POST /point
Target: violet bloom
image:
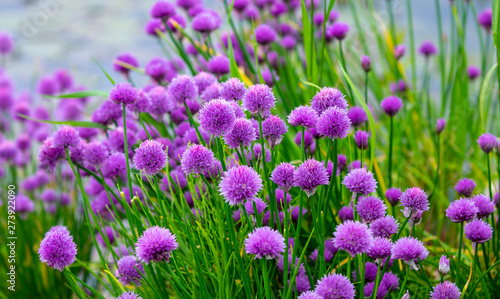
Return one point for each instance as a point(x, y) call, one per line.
point(335, 286)
point(217, 117)
point(440, 124)
point(260, 99)
point(303, 116)
point(150, 157)
point(182, 88)
point(409, 250)
point(388, 283)
point(353, 237)
point(158, 69)
point(487, 142)
point(197, 159)
point(391, 105)
point(309, 175)
point(380, 249)
point(473, 72)
point(370, 208)
point(206, 22)
point(461, 210)
point(273, 129)
point(393, 194)
point(427, 49)
point(444, 265)
point(219, 65)
point(48, 155)
point(360, 181)
point(309, 295)
point(357, 116)
point(66, 137)
point(399, 51)
point(484, 205)
point(288, 42)
point(414, 200)
point(126, 271)
point(239, 184)
point(341, 162)
point(204, 80)
point(242, 134)
point(485, 19)
point(447, 290)
point(366, 63)
point(123, 93)
point(232, 90)
point(265, 34)
point(465, 187)
point(114, 166)
point(328, 97)
point(129, 295)
point(6, 43)
point(361, 139)
point(384, 227)
point(141, 104)
point(478, 231)
point(339, 30)
point(282, 176)
point(260, 206)
point(48, 85)
point(265, 242)
point(57, 249)
point(125, 58)
point(8, 150)
point(346, 213)
point(162, 10)
point(107, 113)
point(23, 205)
point(155, 244)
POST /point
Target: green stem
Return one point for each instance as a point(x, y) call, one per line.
point(441, 51)
point(393, 25)
point(302, 146)
point(391, 140)
point(349, 267)
point(412, 43)
point(489, 174)
point(191, 121)
point(342, 59)
point(266, 278)
point(404, 283)
point(457, 275)
point(129, 177)
point(377, 281)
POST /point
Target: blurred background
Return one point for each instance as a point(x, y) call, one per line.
point(51, 34)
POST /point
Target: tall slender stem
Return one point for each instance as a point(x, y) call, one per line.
point(457, 275)
point(404, 283)
point(412, 43)
point(391, 134)
point(342, 59)
point(489, 174)
point(125, 143)
point(393, 23)
point(377, 280)
point(266, 278)
point(302, 145)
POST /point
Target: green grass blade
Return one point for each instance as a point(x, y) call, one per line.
point(81, 124)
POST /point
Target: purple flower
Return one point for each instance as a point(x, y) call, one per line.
point(265, 242)
point(485, 19)
point(391, 105)
point(384, 227)
point(461, 210)
point(303, 116)
point(6, 99)
point(309, 295)
point(309, 175)
point(444, 265)
point(440, 124)
point(204, 80)
point(360, 181)
point(346, 213)
point(361, 139)
point(240, 183)
point(8, 150)
point(366, 63)
point(48, 155)
point(232, 90)
point(465, 187)
point(388, 283)
point(260, 99)
point(334, 123)
point(64, 78)
point(162, 10)
point(370, 208)
point(484, 205)
point(156, 244)
point(48, 85)
point(128, 295)
point(380, 249)
point(335, 286)
point(114, 166)
point(49, 195)
point(141, 104)
point(393, 194)
point(357, 116)
point(206, 22)
point(107, 113)
point(219, 65)
point(282, 176)
point(150, 157)
point(487, 142)
point(399, 51)
point(273, 129)
point(265, 34)
point(197, 159)
point(65, 137)
point(182, 88)
point(445, 290)
point(339, 30)
point(123, 93)
point(125, 58)
point(217, 117)
point(57, 249)
point(353, 237)
point(328, 97)
point(473, 72)
point(242, 134)
point(427, 49)
point(126, 271)
point(259, 204)
point(409, 250)
point(6, 43)
point(413, 200)
point(288, 42)
point(158, 69)
point(255, 153)
point(23, 205)
point(211, 92)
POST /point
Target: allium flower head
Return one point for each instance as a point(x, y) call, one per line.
point(197, 159)
point(240, 183)
point(384, 227)
point(334, 123)
point(328, 97)
point(273, 129)
point(465, 187)
point(219, 65)
point(366, 63)
point(162, 10)
point(156, 244)
point(461, 210)
point(309, 295)
point(478, 231)
point(370, 208)
point(265, 34)
point(357, 115)
point(8, 150)
point(129, 295)
point(409, 250)
point(242, 134)
point(49, 155)
point(217, 117)
point(204, 80)
point(260, 99)
point(487, 142)
point(126, 271)
point(361, 181)
point(303, 116)
point(484, 205)
point(182, 88)
point(445, 290)
point(123, 93)
point(380, 249)
point(353, 237)
point(335, 286)
point(282, 176)
point(107, 113)
point(48, 85)
point(65, 137)
point(150, 157)
point(259, 204)
point(440, 124)
point(391, 105)
point(206, 22)
point(49, 195)
point(57, 249)
point(388, 283)
point(6, 43)
point(473, 72)
point(444, 265)
point(361, 139)
point(414, 199)
point(485, 19)
point(427, 49)
point(393, 194)
point(309, 175)
point(265, 242)
point(159, 70)
point(233, 90)
point(346, 213)
point(399, 51)
point(125, 58)
point(114, 166)
point(339, 30)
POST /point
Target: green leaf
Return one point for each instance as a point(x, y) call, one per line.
point(107, 75)
point(81, 124)
point(483, 94)
point(310, 84)
point(81, 94)
point(147, 118)
point(232, 61)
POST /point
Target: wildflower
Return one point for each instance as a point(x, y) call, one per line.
point(110, 234)
point(125, 58)
point(141, 104)
point(158, 69)
point(206, 22)
point(162, 10)
point(155, 244)
point(353, 237)
point(446, 290)
point(303, 116)
point(484, 205)
point(478, 231)
point(310, 295)
point(346, 213)
point(129, 295)
point(384, 227)
point(48, 155)
point(328, 97)
point(150, 157)
point(48, 85)
point(204, 80)
point(366, 63)
point(414, 200)
point(182, 88)
point(260, 206)
point(309, 175)
point(473, 72)
point(273, 129)
point(409, 250)
point(357, 116)
point(107, 113)
point(239, 184)
point(444, 265)
point(57, 249)
point(6, 43)
point(127, 272)
point(361, 139)
point(242, 134)
point(388, 283)
point(265, 35)
point(65, 137)
point(427, 49)
point(49, 195)
point(233, 90)
point(440, 124)
point(487, 142)
point(380, 249)
point(197, 159)
point(219, 65)
point(23, 205)
point(391, 105)
point(341, 162)
point(370, 208)
point(260, 99)
point(265, 242)
point(360, 181)
point(334, 123)
point(282, 176)
point(393, 194)
point(399, 51)
point(217, 117)
point(114, 166)
point(335, 286)
point(340, 30)
point(485, 19)
point(211, 92)
point(123, 93)
point(465, 187)
point(461, 210)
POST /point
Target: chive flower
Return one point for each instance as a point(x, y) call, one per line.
point(155, 245)
point(309, 175)
point(409, 250)
point(461, 210)
point(465, 187)
point(328, 97)
point(150, 157)
point(197, 159)
point(335, 286)
point(240, 183)
point(353, 237)
point(265, 242)
point(57, 249)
